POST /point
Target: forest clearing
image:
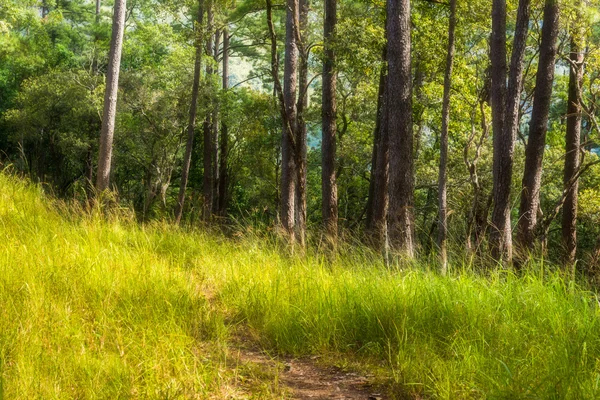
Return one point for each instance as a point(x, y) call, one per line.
point(299, 199)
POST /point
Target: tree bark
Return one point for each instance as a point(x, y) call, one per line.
point(89, 163)
point(442, 177)
point(534, 152)
point(110, 97)
point(329, 208)
point(378, 186)
point(505, 122)
point(288, 145)
point(477, 218)
point(224, 139)
point(215, 129)
point(301, 132)
point(399, 116)
point(207, 181)
point(191, 128)
point(573, 143)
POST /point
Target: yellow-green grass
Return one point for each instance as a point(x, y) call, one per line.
point(103, 308)
point(97, 309)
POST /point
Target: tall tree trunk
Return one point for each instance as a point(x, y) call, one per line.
point(110, 96)
point(573, 141)
point(288, 142)
point(477, 218)
point(442, 178)
point(215, 129)
point(207, 181)
point(505, 129)
point(301, 132)
point(329, 208)
point(399, 115)
point(378, 186)
point(538, 125)
point(89, 163)
point(191, 128)
point(498, 103)
point(224, 139)
point(376, 132)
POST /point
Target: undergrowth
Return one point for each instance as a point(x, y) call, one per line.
point(92, 307)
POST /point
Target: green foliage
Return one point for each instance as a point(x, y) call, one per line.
point(52, 78)
point(102, 308)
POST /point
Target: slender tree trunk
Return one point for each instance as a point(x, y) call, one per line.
point(498, 98)
point(191, 128)
point(329, 115)
point(215, 130)
point(505, 131)
point(89, 163)
point(399, 116)
point(376, 133)
point(301, 132)
point(207, 181)
point(573, 143)
point(224, 139)
point(288, 143)
point(110, 97)
point(477, 219)
point(538, 125)
point(443, 179)
point(378, 186)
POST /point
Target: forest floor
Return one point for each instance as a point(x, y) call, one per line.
point(303, 378)
point(307, 377)
point(95, 305)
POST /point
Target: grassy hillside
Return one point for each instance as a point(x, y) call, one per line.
point(91, 308)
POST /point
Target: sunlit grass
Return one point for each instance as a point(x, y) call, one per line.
point(91, 308)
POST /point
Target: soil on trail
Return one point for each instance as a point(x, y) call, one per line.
point(303, 378)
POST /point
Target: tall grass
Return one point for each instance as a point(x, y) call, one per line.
point(89, 309)
point(457, 337)
point(96, 309)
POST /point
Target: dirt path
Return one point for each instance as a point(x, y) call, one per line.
point(303, 378)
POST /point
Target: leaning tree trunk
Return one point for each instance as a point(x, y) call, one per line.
point(505, 131)
point(329, 115)
point(191, 128)
point(573, 143)
point(207, 180)
point(442, 177)
point(224, 139)
point(110, 97)
point(399, 106)
point(538, 125)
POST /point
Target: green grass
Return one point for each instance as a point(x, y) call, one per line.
point(96, 308)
